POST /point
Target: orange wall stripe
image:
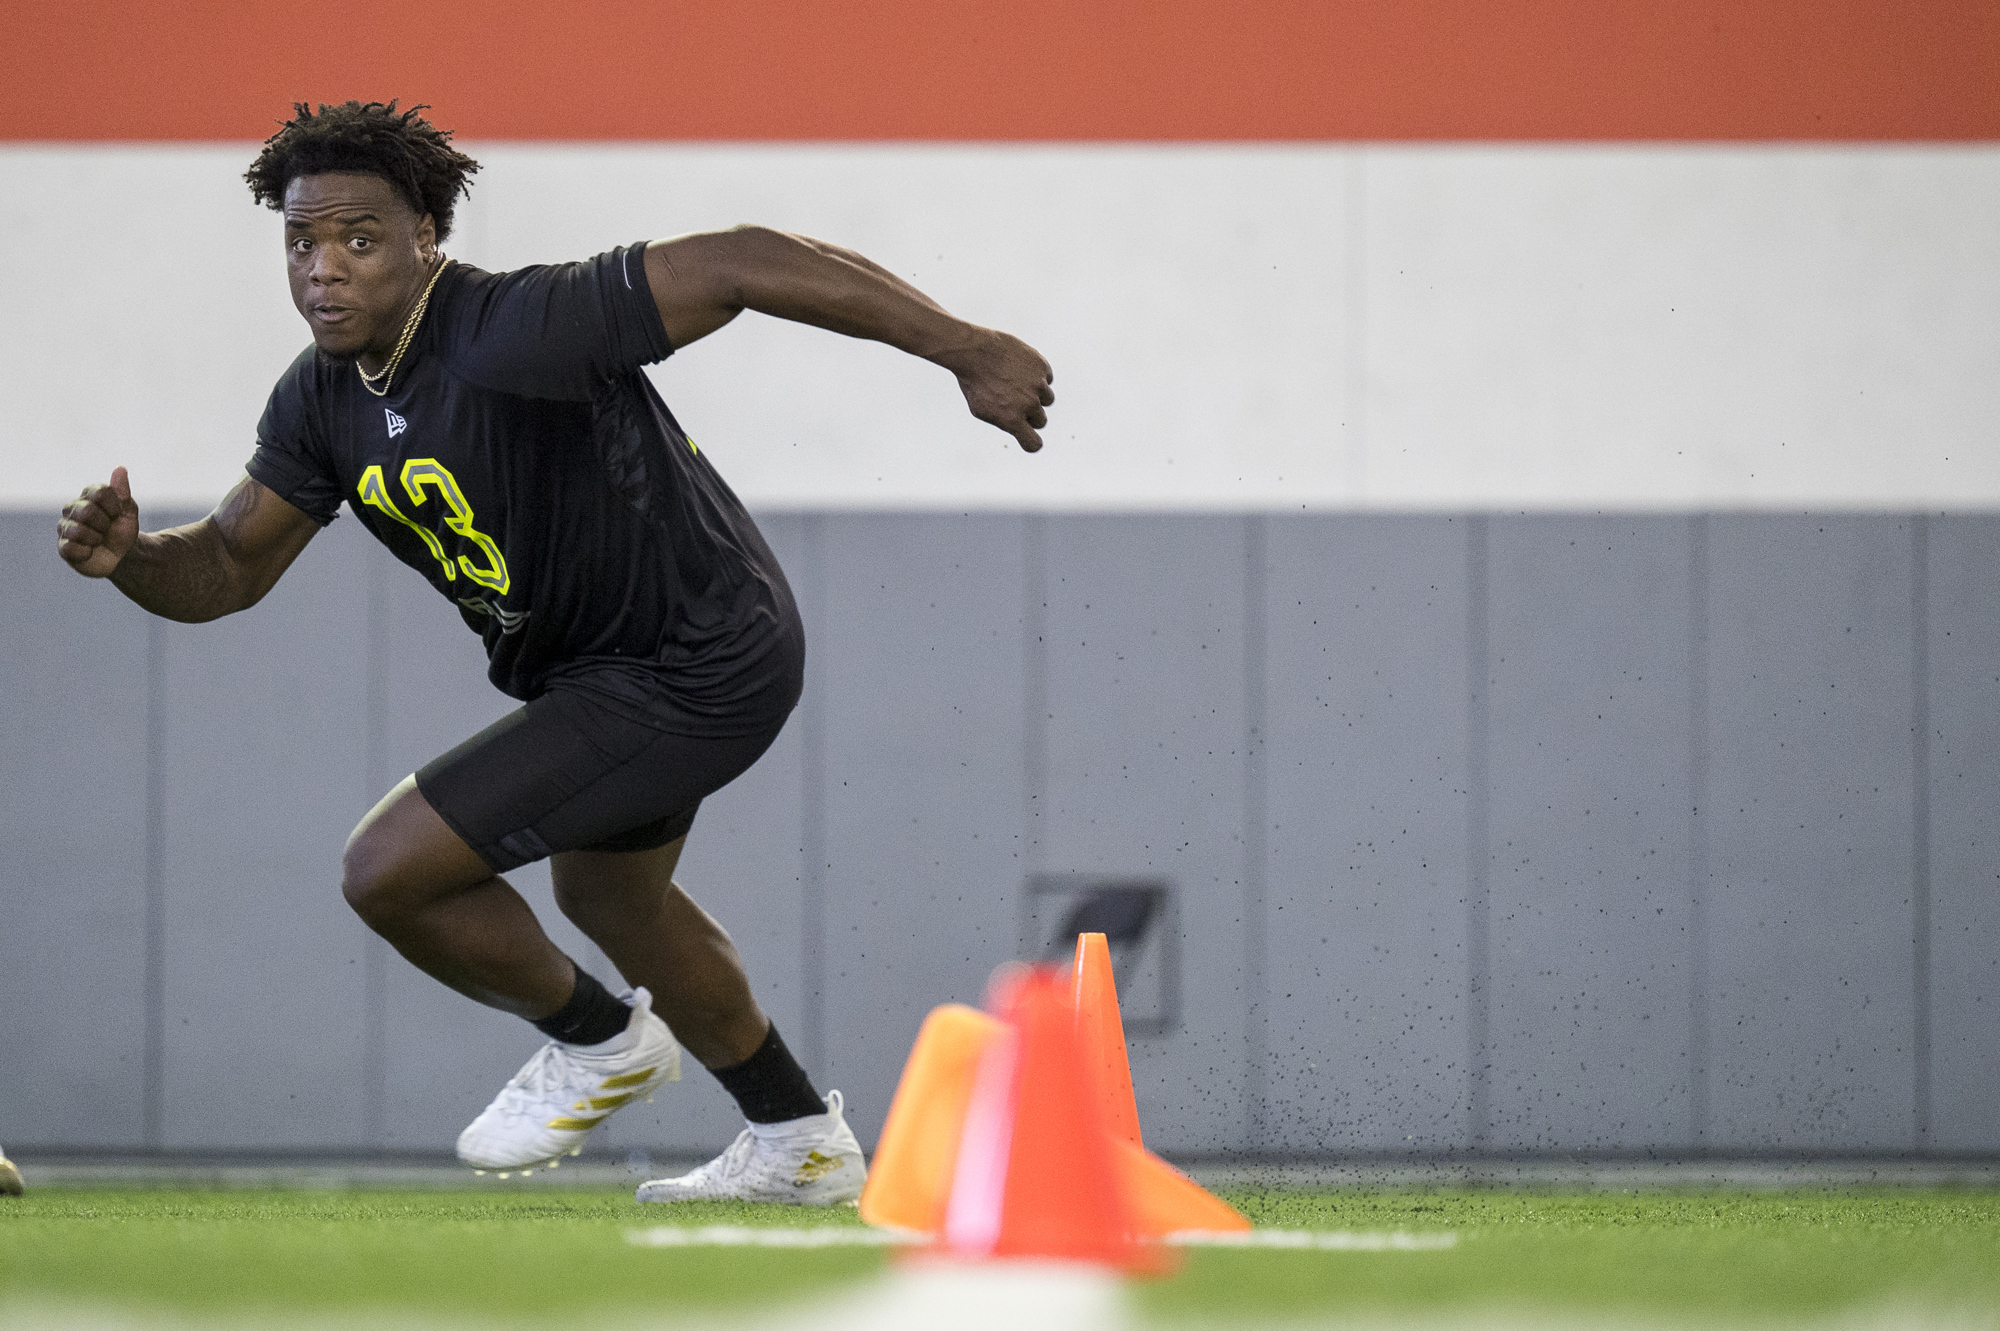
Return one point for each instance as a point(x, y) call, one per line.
point(1020, 69)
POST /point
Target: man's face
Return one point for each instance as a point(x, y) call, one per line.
point(357, 256)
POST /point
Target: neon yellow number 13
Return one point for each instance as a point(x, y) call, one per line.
point(418, 473)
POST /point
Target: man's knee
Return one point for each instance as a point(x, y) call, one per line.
point(368, 875)
point(403, 856)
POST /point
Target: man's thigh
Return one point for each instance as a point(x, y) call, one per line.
point(566, 774)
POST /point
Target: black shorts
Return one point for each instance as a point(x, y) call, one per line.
point(567, 773)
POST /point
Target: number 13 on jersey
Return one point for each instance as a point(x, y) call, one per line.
point(421, 472)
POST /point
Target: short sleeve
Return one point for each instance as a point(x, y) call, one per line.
point(290, 460)
point(558, 331)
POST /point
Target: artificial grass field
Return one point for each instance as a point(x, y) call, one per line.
point(525, 1257)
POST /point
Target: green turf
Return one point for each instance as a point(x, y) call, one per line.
point(518, 1256)
point(1673, 1256)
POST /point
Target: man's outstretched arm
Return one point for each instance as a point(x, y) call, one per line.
point(701, 282)
point(205, 570)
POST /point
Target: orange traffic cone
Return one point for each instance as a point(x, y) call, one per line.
point(910, 1175)
point(1035, 1175)
point(933, 1129)
point(1160, 1199)
point(1103, 1031)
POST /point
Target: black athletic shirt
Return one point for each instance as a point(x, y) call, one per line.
point(524, 464)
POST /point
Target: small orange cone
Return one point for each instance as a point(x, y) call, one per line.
point(1103, 1031)
point(1160, 1200)
point(1035, 1175)
point(910, 1175)
point(945, 1162)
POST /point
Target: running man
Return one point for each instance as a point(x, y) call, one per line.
point(496, 432)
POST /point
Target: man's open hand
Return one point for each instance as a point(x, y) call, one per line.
point(1006, 383)
point(98, 527)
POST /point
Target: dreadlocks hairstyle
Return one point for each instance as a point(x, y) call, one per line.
point(403, 148)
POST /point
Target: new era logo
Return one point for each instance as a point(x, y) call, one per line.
point(396, 423)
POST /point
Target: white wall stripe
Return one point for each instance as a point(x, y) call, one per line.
point(1506, 327)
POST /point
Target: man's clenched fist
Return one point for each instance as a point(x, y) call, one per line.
point(98, 527)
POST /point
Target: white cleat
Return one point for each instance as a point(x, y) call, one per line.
point(811, 1161)
point(564, 1091)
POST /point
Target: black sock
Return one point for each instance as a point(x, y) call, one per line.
point(770, 1086)
point(591, 1016)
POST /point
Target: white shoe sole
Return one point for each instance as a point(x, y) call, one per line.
point(531, 1166)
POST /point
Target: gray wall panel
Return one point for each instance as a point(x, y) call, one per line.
point(1145, 763)
point(73, 656)
point(920, 659)
point(1964, 641)
point(265, 766)
point(1589, 830)
point(929, 796)
point(1810, 846)
point(1365, 894)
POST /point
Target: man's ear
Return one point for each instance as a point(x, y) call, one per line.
point(427, 238)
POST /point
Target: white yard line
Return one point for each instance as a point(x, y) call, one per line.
point(842, 1236)
point(758, 1236)
point(1318, 1240)
point(1016, 1295)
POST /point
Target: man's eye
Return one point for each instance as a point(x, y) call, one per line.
point(301, 245)
point(359, 242)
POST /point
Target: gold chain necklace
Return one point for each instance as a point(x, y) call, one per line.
point(384, 375)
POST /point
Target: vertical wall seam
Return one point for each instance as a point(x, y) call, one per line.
point(374, 949)
point(1034, 694)
point(1697, 943)
point(1477, 900)
point(1356, 350)
point(1920, 831)
point(1257, 1052)
point(812, 810)
point(153, 1096)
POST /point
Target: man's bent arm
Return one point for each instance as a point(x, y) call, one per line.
point(198, 572)
point(701, 282)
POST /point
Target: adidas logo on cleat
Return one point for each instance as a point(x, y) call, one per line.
point(603, 1101)
point(603, 1104)
point(815, 1168)
point(630, 1079)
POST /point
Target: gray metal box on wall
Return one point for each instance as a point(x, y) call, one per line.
point(1140, 925)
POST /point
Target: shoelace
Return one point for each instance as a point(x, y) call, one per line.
point(732, 1162)
point(546, 1071)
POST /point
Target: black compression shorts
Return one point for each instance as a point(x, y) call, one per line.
point(566, 773)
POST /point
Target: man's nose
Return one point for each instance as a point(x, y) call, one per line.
point(327, 266)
